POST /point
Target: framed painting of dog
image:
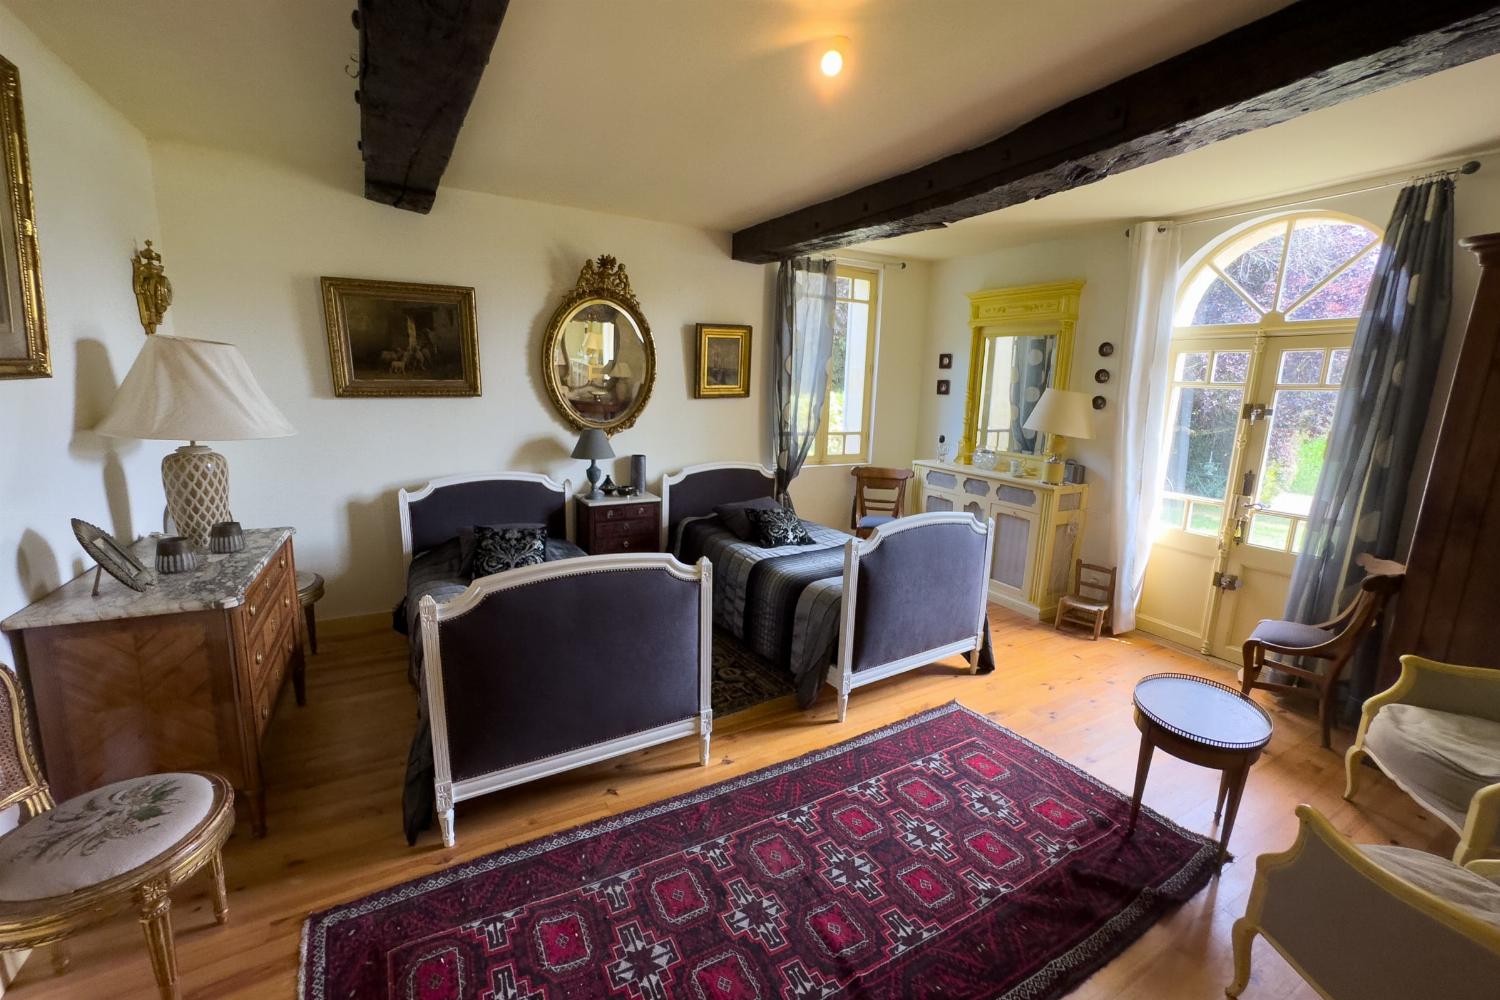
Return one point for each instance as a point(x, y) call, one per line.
point(398, 338)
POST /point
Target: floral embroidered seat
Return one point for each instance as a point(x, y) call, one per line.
point(128, 844)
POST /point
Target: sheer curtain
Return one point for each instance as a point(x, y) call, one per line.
point(804, 344)
point(1383, 405)
point(1143, 409)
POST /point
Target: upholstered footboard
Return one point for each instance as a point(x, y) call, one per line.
point(546, 668)
point(915, 591)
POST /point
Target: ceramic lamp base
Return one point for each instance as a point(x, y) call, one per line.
point(196, 481)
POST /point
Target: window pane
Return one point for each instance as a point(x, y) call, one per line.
point(1300, 537)
point(1172, 509)
point(835, 444)
point(1344, 296)
point(1192, 367)
point(851, 444)
point(1231, 366)
point(1295, 446)
point(1201, 439)
point(1270, 531)
point(1256, 270)
point(849, 361)
point(1300, 368)
point(1205, 518)
point(1318, 248)
point(862, 289)
point(841, 287)
point(1337, 362)
point(1221, 304)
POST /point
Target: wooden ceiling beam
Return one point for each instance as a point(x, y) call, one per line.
point(419, 65)
point(1309, 55)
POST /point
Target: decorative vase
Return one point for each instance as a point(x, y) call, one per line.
point(638, 472)
point(196, 480)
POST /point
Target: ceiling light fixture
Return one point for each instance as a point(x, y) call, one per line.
point(832, 62)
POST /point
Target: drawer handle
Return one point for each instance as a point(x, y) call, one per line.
point(259, 657)
point(252, 611)
point(289, 646)
point(286, 602)
point(282, 563)
point(626, 544)
point(265, 712)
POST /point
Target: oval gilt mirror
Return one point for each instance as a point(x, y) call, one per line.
point(598, 360)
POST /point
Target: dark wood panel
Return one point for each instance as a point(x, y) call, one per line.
point(1306, 56)
point(420, 64)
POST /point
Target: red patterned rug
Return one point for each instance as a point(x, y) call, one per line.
point(943, 856)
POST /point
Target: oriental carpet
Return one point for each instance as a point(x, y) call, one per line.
point(943, 856)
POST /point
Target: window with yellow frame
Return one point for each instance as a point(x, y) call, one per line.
point(848, 402)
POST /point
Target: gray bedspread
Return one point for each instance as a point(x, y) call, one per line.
point(783, 603)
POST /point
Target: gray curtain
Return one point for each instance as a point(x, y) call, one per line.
point(1031, 368)
point(1384, 403)
point(804, 343)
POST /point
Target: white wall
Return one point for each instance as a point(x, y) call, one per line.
point(96, 203)
point(1101, 261)
point(245, 242)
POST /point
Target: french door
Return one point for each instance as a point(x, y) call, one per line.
point(1248, 421)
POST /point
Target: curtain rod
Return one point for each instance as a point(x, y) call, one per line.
point(865, 262)
point(1468, 167)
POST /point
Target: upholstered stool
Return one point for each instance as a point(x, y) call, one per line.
point(128, 844)
point(310, 592)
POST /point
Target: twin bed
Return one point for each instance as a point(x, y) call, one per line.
point(547, 667)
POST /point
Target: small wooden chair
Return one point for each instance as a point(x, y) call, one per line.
point(1092, 599)
point(1334, 640)
point(128, 844)
point(870, 511)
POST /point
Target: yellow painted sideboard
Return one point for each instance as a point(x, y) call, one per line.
point(1038, 528)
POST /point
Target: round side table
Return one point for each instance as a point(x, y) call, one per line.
point(1204, 723)
point(309, 592)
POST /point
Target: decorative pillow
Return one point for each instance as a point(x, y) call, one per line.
point(777, 527)
point(736, 516)
point(499, 547)
point(468, 542)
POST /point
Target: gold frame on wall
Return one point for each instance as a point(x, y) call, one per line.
point(701, 388)
point(347, 383)
point(19, 236)
point(601, 281)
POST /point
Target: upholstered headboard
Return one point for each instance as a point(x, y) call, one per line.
point(698, 489)
point(444, 507)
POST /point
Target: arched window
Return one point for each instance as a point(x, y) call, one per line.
point(1297, 269)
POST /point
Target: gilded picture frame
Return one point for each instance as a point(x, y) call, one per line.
point(723, 365)
point(400, 338)
point(23, 319)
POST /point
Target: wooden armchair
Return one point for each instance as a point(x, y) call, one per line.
point(1334, 640)
point(1436, 734)
point(872, 509)
point(128, 844)
point(1373, 922)
point(1091, 600)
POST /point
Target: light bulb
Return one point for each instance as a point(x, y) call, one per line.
point(832, 63)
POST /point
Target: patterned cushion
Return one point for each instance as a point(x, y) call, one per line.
point(96, 836)
point(777, 526)
point(736, 516)
point(499, 547)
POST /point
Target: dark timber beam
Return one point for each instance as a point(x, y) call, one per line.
point(1307, 56)
point(419, 65)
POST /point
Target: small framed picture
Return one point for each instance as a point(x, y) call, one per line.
point(945, 361)
point(723, 367)
point(943, 387)
point(400, 338)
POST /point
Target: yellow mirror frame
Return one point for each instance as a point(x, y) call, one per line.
point(1049, 310)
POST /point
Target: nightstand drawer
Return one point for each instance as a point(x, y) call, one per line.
point(635, 526)
point(634, 542)
point(627, 512)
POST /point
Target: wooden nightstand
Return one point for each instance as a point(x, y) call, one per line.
point(619, 524)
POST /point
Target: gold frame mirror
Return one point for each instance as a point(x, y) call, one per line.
point(598, 359)
point(1041, 317)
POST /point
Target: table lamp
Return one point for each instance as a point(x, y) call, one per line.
point(193, 390)
point(1060, 413)
point(593, 444)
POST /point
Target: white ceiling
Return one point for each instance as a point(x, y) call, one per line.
point(712, 112)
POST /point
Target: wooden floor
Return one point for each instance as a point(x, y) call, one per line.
point(335, 795)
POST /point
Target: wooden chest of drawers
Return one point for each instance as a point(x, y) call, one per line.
point(619, 524)
point(183, 676)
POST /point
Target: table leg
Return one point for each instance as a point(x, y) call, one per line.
point(1142, 767)
point(1223, 791)
point(1236, 780)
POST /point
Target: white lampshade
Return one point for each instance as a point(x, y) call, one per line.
point(192, 390)
point(1064, 413)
